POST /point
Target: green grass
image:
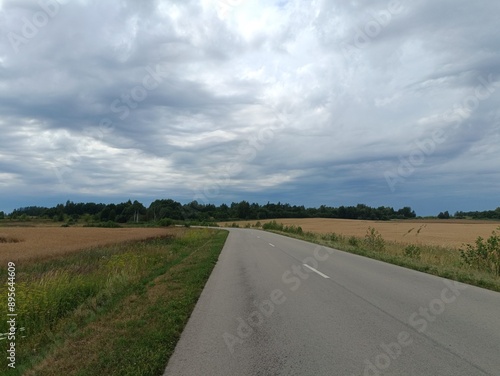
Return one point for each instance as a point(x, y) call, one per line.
point(115, 310)
point(440, 261)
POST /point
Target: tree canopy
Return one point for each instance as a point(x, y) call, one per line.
point(194, 211)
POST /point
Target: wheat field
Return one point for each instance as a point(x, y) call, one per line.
point(25, 243)
point(449, 233)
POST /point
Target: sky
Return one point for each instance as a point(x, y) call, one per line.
point(392, 103)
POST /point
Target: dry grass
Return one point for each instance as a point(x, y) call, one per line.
point(122, 315)
point(449, 233)
point(28, 243)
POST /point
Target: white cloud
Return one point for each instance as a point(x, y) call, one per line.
point(339, 111)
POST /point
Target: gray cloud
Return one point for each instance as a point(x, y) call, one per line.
point(308, 102)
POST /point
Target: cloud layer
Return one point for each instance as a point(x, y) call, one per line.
point(311, 102)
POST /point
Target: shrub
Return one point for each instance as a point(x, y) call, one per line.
point(273, 225)
point(108, 224)
point(484, 255)
point(258, 224)
point(165, 222)
point(354, 241)
point(235, 225)
point(336, 237)
point(293, 229)
point(374, 240)
point(412, 251)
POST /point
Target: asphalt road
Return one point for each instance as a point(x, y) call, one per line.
point(264, 312)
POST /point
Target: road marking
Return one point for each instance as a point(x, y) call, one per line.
point(272, 245)
point(316, 271)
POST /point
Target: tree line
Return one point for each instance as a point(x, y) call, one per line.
point(486, 214)
point(161, 209)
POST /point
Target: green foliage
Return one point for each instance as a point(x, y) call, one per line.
point(135, 212)
point(336, 237)
point(258, 224)
point(444, 215)
point(108, 224)
point(292, 229)
point(412, 251)
point(354, 241)
point(373, 240)
point(483, 255)
point(234, 225)
point(487, 214)
point(58, 298)
point(273, 225)
point(165, 222)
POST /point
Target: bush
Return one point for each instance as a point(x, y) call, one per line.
point(108, 224)
point(165, 222)
point(273, 225)
point(484, 255)
point(293, 229)
point(354, 241)
point(412, 251)
point(336, 237)
point(374, 240)
point(258, 224)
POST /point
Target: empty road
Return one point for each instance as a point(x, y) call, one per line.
point(279, 306)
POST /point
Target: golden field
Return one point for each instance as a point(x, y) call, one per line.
point(445, 233)
point(23, 243)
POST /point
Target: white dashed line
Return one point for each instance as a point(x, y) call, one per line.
point(272, 245)
point(316, 271)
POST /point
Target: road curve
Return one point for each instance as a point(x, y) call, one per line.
point(280, 306)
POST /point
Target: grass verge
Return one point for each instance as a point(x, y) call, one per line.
point(439, 261)
point(115, 310)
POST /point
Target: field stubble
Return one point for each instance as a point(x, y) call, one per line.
point(25, 243)
point(114, 309)
point(443, 233)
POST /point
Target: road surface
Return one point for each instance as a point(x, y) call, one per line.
point(279, 306)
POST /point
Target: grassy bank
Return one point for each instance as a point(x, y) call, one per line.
point(440, 261)
point(114, 310)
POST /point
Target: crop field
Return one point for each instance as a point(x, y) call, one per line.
point(100, 301)
point(449, 233)
point(23, 243)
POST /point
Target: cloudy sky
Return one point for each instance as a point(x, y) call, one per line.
point(333, 102)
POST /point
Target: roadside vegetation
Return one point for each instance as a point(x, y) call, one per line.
point(110, 310)
point(477, 264)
